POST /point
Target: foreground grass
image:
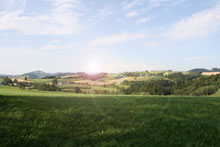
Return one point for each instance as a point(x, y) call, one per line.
point(80, 120)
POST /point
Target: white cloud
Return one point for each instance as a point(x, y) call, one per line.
point(118, 39)
point(102, 14)
point(133, 13)
point(197, 25)
point(56, 45)
point(140, 6)
point(144, 20)
point(134, 8)
point(62, 19)
point(157, 3)
point(130, 5)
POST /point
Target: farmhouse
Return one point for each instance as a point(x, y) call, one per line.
point(22, 81)
point(28, 83)
point(121, 77)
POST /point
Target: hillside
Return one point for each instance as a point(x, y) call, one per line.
point(36, 74)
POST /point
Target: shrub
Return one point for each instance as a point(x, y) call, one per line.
point(206, 90)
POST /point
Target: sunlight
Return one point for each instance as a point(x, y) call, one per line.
point(94, 67)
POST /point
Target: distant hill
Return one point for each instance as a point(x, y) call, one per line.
point(205, 70)
point(1, 75)
point(215, 69)
point(36, 74)
point(199, 70)
point(60, 74)
point(39, 74)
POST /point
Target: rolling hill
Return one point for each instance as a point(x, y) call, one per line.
point(199, 70)
point(39, 74)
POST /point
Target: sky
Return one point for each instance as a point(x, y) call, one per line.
point(108, 35)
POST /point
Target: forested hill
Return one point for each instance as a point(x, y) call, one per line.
point(177, 84)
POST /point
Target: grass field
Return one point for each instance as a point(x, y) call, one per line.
point(34, 118)
point(40, 80)
point(217, 93)
point(14, 91)
point(85, 88)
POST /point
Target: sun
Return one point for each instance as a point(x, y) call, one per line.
point(94, 67)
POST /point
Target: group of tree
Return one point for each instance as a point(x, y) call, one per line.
point(39, 86)
point(175, 84)
point(49, 77)
point(47, 86)
point(9, 82)
point(157, 87)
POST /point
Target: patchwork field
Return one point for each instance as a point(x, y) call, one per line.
point(33, 118)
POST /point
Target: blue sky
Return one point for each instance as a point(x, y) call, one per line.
point(108, 36)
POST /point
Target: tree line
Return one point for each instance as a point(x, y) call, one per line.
point(29, 85)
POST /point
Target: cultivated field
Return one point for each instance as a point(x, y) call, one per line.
point(210, 73)
point(33, 118)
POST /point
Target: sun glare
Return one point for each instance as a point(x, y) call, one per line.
point(94, 67)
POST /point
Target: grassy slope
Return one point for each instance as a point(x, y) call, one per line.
point(72, 86)
point(14, 91)
point(86, 88)
point(40, 80)
point(56, 120)
point(50, 80)
point(217, 93)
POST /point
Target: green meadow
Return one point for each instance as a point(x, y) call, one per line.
point(51, 119)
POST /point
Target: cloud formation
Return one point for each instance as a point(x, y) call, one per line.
point(62, 19)
point(197, 25)
point(144, 20)
point(130, 5)
point(157, 3)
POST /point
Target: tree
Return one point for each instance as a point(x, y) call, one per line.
point(25, 78)
point(77, 90)
point(22, 85)
point(55, 81)
point(16, 81)
point(7, 81)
